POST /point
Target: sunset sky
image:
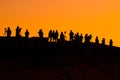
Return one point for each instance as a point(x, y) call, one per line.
point(97, 17)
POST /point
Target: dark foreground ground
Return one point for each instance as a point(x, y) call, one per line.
point(82, 70)
point(36, 59)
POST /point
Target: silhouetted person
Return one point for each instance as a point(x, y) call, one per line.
point(5, 32)
point(111, 42)
point(97, 40)
point(81, 38)
point(40, 33)
point(53, 35)
point(71, 35)
point(62, 37)
point(103, 41)
point(56, 35)
point(77, 36)
point(86, 38)
point(8, 32)
point(50, 35)
point(89, 38)
point(18, 30)
point(65, 35)
point(27, 34)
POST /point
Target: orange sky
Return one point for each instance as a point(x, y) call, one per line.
point(97, 17)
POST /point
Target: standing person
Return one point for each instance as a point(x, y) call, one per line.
point(77, 36)
point(96, 40)
point(65, 35)
point(18, 31)
point(86, 38)
point(81, 38)
point(40, 33)
point(53, 35)
point(5, 32)
point(50, 35)
point(62, 37)
point(56, 35)
point(8, 32)
point(27, 34)
point(89, 38)
point(103, 41)
point(71, 34)
point(111, 42)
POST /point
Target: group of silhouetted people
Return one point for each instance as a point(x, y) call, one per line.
point(87, 38)
point(8, 32)
point(77, 37)
point(53, 36)
point(103, 41)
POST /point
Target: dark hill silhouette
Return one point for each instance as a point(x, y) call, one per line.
point(36, 49)
point(23, 58)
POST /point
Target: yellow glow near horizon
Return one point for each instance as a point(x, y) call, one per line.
point(97, 17)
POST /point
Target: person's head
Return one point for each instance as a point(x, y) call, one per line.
point(65, 32)
point(111, 40)
point(90, 35)
point(40, 30)
point(81, 34)
point(17, 27)
point(77, 33)
point(8, 28)
point(103, 38)
point(50, 30)
point(86, 34)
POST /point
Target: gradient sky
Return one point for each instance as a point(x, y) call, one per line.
point(97, 17)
